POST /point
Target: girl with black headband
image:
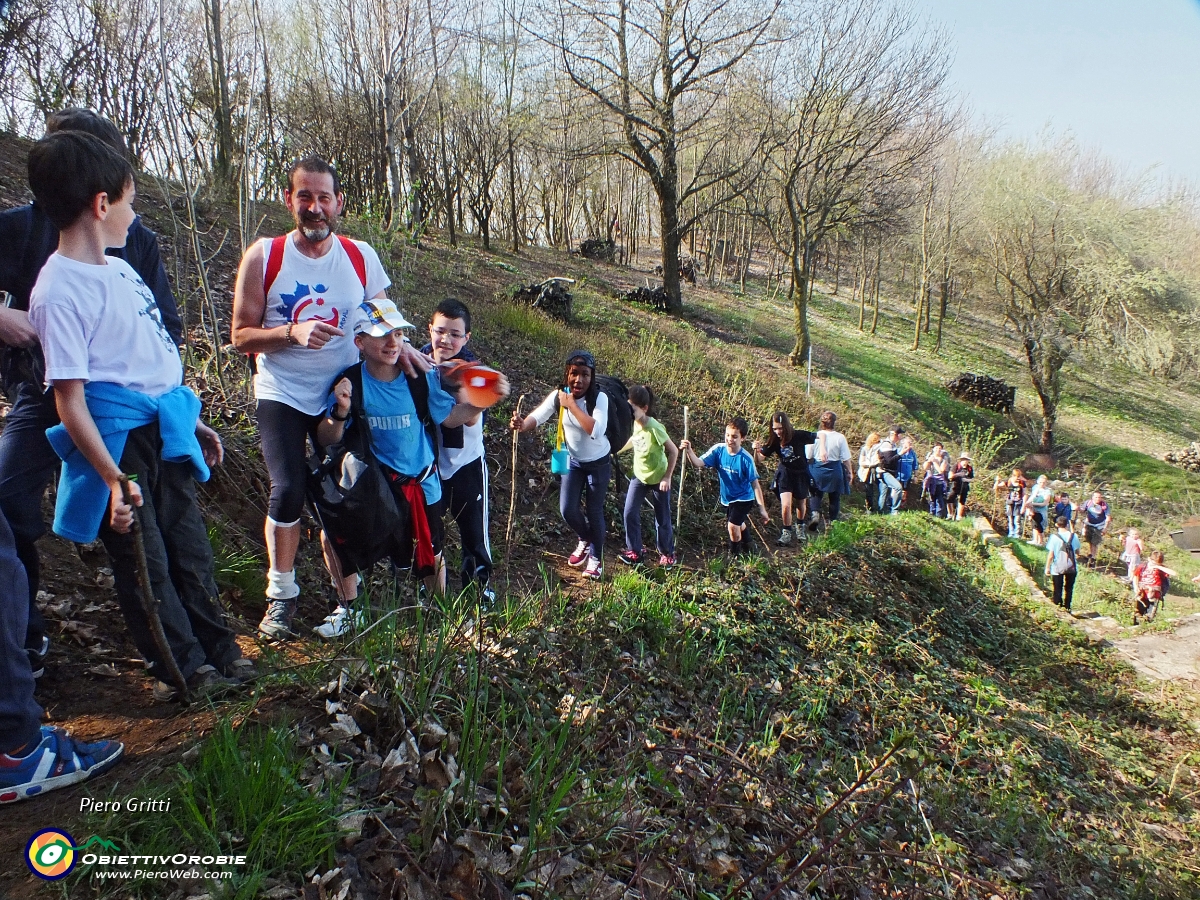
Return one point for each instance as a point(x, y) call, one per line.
point(585, 421)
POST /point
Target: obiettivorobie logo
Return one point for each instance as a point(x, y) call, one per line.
point(52, 854)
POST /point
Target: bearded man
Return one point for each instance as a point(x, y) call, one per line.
point(292, 304)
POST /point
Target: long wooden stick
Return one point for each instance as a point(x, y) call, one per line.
point(683, 464)
point(512, 497)
point(149, 601)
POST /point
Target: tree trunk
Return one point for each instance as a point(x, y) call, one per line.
point(1044, 368)
point(799, 292)
point(222, 111)
point(878, 277)
point(669, 220)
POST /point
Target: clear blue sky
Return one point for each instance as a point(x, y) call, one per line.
point(1123, 75)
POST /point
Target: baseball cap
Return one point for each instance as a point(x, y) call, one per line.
point(379, 318)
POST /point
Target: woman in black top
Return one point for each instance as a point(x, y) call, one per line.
point(791, 478)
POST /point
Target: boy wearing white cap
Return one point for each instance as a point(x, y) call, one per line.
point(401, 415)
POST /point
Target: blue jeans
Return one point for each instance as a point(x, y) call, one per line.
point(665, 534)
point(27, 463)
point(20, 716)
point(890, 490)
point(937, 497)
point(590, 478)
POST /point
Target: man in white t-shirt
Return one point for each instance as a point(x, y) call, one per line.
point(291, 306)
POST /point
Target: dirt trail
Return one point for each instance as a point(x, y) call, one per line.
point(1160, 656)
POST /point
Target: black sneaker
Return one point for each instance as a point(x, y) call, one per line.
point(206, 681)
point(37, 657)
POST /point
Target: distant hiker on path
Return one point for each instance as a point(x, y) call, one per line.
point(1132, 554)
point(829, 464)
point(906, 466)
point(1151, 586)
point(961, 477)
point(791, 478)
point(1062, 555)
point(891, 489)
point(1096, 519)
point(654, 458)
point(868, 469)
point(1037, 506)
point(293, 297)
point(1013, 489)
point(740, 487)
point(936, 483)
point(583, 410)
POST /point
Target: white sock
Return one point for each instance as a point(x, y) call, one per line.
point(282, 585)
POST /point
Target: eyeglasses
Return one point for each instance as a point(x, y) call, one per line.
point(446, 332)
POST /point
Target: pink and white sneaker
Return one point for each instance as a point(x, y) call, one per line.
point(594, 569)
point(583, 550)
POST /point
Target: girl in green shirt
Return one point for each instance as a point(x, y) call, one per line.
point(654, 458)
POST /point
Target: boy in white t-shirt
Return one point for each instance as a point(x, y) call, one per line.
point(118, 386)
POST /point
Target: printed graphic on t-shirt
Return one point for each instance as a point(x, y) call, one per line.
point(149, 307)
point(306, 303)
point(389, 423)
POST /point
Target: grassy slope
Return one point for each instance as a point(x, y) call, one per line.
point(688, 731)
point(716, 711)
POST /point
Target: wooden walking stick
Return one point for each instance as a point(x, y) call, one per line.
point(149, 601)
point(683, 464)
point(512, 497)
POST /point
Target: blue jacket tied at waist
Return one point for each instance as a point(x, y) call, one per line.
point(83, 496)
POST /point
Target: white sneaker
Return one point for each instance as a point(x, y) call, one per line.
point(785, 537)
point(337, 623)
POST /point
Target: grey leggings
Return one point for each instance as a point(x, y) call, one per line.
point(586, 482)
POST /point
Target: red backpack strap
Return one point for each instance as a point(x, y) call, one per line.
point(274, 262)
point(356, 260)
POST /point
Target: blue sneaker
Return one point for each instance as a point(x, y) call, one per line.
point(58, 761)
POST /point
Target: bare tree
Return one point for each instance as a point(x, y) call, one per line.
point(862, 112)
point(660, 67)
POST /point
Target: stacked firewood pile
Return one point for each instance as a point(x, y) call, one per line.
point(1187, 458)
point(687, 269)
point(598, 248)
point(654, 297)
point(552, 296)
point(982, 390)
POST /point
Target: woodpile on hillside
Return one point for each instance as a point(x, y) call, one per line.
point(552, 296)
point(984, 391)
point(653, 297)
point(1187, 458)
point(598, 248)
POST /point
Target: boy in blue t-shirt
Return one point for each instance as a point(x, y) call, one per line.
point(740, 487)
point(399, 439)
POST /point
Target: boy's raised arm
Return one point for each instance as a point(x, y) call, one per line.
point(72, 409)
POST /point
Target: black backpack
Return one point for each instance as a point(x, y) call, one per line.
point(348, 491)
point(620, 417)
